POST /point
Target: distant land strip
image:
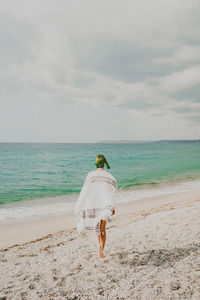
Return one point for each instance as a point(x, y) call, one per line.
point(149, 142)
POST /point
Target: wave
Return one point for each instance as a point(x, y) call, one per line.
point(35, 209)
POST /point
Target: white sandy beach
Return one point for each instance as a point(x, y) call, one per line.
point(152, 252)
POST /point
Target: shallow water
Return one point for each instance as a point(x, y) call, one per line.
point(32, 171)
point(39, 180)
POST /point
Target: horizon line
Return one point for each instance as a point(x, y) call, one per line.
point(105, 141)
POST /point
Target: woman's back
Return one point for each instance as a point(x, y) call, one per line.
point(98, 190)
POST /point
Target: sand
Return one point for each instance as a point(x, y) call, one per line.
point(152, 252)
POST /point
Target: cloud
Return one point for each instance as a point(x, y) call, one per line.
point(180, 80)
point(191, 94)
point(182, 57)
point(16, 40)
point(118, 59)
point(133, 59)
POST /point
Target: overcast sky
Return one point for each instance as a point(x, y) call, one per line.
point(83, 71)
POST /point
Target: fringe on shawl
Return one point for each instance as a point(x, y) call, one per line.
point(89, 221)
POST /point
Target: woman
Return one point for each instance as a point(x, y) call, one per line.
point(95, 205)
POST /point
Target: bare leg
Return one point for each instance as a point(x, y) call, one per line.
point(102, 238)
point(98, 238)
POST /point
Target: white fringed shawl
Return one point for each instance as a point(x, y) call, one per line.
point(96, 201)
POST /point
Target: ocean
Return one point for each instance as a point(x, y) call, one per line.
point(44, 178)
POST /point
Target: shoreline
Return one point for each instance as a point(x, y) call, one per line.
point(136, 187)
point(21, 212)
point(18, 233)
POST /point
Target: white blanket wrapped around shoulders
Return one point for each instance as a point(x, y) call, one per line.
point(96, 201)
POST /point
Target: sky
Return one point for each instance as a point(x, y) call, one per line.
point(85, 71)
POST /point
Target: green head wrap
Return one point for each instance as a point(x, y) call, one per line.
point(101, 162)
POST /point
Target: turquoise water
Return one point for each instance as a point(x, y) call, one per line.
point(29, 171)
